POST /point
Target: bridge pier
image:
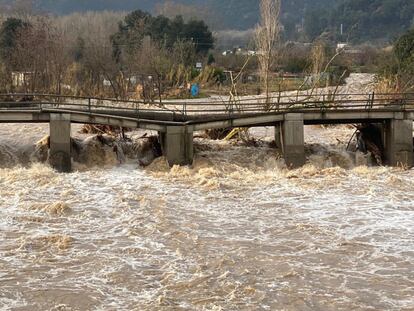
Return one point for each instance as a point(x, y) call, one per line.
point(293, 140)
point(278, 136)
point(60, 142)
point(399, 141)
point(177, 145)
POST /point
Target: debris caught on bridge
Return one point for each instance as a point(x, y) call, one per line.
point(369, 139)
point(218, 134)
point(104, 149)
point(103, 129)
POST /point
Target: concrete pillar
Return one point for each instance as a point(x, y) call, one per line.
point(399, 142)
point(293, 140)
point(177, 145)
point(278, 136)
point(60, 142)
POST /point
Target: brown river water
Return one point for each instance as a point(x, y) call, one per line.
point(238, 231)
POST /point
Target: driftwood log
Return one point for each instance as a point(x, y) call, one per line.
point(103, 129)
point(369, 139)
point(218, 134)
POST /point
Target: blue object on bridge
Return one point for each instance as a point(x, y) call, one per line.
point(195, 90)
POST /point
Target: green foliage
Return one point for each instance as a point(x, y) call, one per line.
point(211, 75)
point(219, 76)
point(197, 32)
point(398, 68)
point(297, 64)
point(404, 51)
point(401, 62)
point(230, 14)
point(9, 34)
point(211, 59)
point(362, 20)
point(138, 25)
point(373, 19)
point(316, 22)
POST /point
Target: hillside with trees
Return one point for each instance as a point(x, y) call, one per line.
point(368, 20)
point(231, 14)
point(304, 20)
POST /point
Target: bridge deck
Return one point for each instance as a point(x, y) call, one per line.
point(177, 121)
point(248, 111)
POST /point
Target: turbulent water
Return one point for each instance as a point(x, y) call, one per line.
point(238, 231)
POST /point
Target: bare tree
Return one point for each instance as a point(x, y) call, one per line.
point(154, 59)
point(31, 54)
point(267, 37)
point(93, 69)
point(40, 53)
point(318, 58)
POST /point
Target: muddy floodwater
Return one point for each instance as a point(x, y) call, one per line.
point(238, 231)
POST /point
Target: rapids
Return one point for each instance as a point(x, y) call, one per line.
point(237, 231)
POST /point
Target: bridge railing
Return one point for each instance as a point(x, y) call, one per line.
point(300, 102)
point(79, 103)
point(217, 106)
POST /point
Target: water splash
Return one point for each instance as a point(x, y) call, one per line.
point(237, 231)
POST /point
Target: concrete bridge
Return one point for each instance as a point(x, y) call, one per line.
point(177, 121)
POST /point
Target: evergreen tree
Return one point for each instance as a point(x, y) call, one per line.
point(138, 25)
point(9, 34)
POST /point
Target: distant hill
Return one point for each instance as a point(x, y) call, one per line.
point(233, 14)
point(362, 19)
point(374, 19)
point(243, 14)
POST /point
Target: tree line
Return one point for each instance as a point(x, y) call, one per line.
point(79, 53)
point(112, 53)
point(303, 20)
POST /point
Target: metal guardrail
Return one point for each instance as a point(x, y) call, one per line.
point(300, 102)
